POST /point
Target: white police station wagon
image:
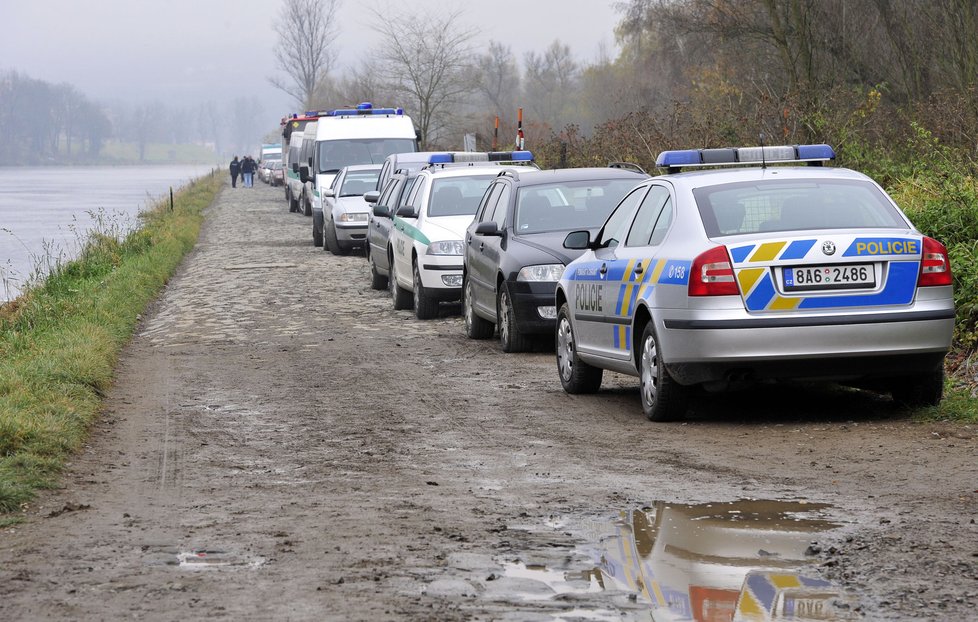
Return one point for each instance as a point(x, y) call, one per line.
point(715, 278)
point(425, 244)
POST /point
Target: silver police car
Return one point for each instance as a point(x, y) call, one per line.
point(717, 278)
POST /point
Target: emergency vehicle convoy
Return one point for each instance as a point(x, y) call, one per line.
point(719, 278)
point(748, 270)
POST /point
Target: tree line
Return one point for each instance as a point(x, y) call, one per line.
point(43, 123)
point(859, 74)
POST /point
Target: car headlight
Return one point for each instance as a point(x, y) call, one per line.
point(353, 217)
point(446, 247)
point(546, 272)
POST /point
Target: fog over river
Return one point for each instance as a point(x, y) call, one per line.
point(46, 212)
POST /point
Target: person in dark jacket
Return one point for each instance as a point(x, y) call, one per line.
point(235, 168)
point(248, 168)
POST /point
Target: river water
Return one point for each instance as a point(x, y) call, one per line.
point(46, 212)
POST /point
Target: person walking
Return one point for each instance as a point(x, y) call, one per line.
point(248, 171)
point(235, 168)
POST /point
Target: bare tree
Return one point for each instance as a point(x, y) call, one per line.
point(306, 31)
point(426, 58)
point(549, 79)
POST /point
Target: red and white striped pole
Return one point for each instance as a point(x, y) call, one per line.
point(520, 141)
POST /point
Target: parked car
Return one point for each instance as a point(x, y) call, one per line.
point(426, 239)
point(720, 278)
point(341, 224)
point(385, 203)
point(513, 248)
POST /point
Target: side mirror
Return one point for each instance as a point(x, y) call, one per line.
point(304, 174)
point(488, 227)
point(295, 168)
point(406, 211)
point(329, 193)
point(372, 196)
point(578, 240)
point(382, 211)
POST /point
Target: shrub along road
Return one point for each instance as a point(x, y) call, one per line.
point(280, 444)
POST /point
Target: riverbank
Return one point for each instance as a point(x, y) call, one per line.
point(59, 340)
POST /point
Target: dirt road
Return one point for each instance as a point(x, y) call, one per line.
point(281, 444)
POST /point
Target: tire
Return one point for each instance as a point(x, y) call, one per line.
point(399, 296)
point(317, 229)
point(377, 280)
point(663, 399)
point(293, 204)
point(510, 336)
point(576, 376)
point(307, 208)
point(919, 391)
point(475, 327)
point(329, 239)
point(424, 307)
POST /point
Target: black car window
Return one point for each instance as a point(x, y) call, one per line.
point(647, 216)
point(502, 206)
point(388, 192)
point(406, 188)
point(488, 203)
point(614, 228)
point(662, 224)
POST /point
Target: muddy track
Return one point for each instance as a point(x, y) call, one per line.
point(281, 444)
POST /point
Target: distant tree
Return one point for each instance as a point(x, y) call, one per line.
point(425, 58)
point(305, 52)
point(498, 78)
point(550, 79)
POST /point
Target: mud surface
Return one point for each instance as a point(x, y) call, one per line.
point(281, 444)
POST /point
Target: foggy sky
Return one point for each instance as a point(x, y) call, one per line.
point(185, 52)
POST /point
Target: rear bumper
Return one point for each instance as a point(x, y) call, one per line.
point(853, 346)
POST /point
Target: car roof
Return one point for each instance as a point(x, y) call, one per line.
point(467, 171)
point(714, 177)
point(558, 175)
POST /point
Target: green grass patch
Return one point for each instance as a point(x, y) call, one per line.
point(59, 341)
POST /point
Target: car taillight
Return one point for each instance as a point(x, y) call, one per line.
point(712, 274)
point(935, 267)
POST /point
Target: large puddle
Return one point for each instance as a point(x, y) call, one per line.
point(743, 561)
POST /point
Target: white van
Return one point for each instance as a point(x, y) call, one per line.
point(361, 135)
point(292, 126)
point(293, 185)
point(306, 152)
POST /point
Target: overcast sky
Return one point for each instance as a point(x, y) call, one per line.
point(192, 51)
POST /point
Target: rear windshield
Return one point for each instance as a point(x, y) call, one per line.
point(570, 205)
point(457, 196)
point(792, 205)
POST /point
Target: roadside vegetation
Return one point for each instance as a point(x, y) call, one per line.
point(59, 341)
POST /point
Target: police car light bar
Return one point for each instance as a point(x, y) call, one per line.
point(744, 155)
point(365, 108)
point(450, 157)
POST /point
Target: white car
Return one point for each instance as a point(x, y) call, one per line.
point(425, 244)
point(341, 223)
point(719, 278)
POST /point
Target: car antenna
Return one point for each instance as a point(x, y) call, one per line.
point(763, 162)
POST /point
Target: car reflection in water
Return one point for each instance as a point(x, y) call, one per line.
point(744, 560)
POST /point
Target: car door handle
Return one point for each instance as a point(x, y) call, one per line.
point(604, 269)
point(482, 246)
point(639, 269)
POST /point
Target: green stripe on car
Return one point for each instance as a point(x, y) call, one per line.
point(411, 231)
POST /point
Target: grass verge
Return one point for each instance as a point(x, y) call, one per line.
point(59, 341)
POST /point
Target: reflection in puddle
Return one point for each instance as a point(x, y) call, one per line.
point(746, 561)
